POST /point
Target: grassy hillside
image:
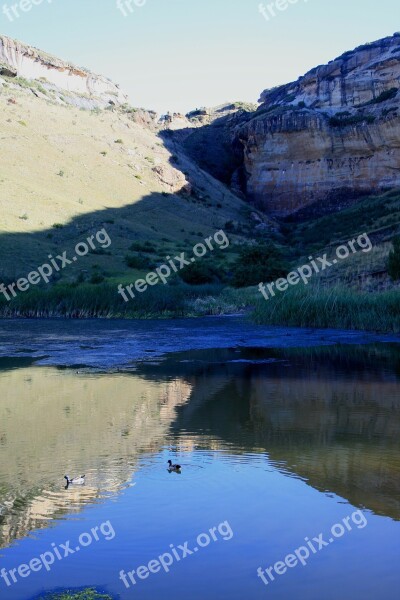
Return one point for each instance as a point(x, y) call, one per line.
point(378, 216)
point(67, 173)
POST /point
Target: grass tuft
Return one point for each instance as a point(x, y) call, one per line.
point(336, 308)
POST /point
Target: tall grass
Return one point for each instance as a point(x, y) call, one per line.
point(336, 307)
point(312, 306)
point(89, 301)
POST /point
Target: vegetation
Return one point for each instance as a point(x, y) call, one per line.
point(383, 97)
point(86, 594)
point(83, 300)
point(376, 213)
point(341, 121)
point(258, 263)
point(138, 261)
point(146, 247)
point(337, 307)
point(198, 274)
point(387, 95)
point(394, 260)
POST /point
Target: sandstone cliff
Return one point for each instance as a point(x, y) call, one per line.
point(316, 144)
point(82, 88)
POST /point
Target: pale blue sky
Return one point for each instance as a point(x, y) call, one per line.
point(182, 54)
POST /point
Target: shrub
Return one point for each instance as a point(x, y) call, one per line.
point(383, 97)
point(146, 247)
point(229, 226)
point(394, 260)
point(138, 261)
point(386, 95)
point(198, 274)
point(343, 121)
point(258, 263)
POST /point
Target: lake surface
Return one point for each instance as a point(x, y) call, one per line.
point(284, 436)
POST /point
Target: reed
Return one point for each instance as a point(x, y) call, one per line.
point(336, 307)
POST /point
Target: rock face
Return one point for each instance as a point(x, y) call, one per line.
point(208, 136)
point(20, 60)
point(317, 144)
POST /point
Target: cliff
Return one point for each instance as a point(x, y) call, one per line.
point(82, 88)
point(312, 146)
point(317, 144)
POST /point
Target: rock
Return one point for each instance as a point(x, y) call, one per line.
point(7, 70)
point(172, 178)
point(21, 60)
point(317, 144)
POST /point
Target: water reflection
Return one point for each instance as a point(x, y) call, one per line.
point(330, 416)
point(54, 422)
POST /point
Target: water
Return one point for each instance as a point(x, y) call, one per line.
point(281, 435)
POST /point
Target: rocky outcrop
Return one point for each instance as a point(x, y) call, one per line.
point(316, 144)
point(20, 60)
point(208, 137)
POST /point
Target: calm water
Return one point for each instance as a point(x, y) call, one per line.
point(279, 441)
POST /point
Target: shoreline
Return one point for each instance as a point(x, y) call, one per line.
point(122, 344)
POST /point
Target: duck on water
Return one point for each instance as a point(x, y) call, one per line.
point(173, 468)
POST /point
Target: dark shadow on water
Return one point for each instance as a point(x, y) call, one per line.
point(9, 363)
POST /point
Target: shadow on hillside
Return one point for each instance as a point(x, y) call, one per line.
point(171, 222)
point(212, 148)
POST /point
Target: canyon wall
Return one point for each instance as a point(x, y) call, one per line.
point(21, 60)
point(317, 144)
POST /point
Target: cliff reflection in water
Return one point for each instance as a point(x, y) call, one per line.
point(54, 422)
point(330, 416)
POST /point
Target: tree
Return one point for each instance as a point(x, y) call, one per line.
point(394, 259)
point(258, 264)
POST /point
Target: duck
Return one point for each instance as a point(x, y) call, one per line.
point(75, 480)
point(172, 467)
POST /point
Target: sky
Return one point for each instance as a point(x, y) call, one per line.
point(178, 55)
